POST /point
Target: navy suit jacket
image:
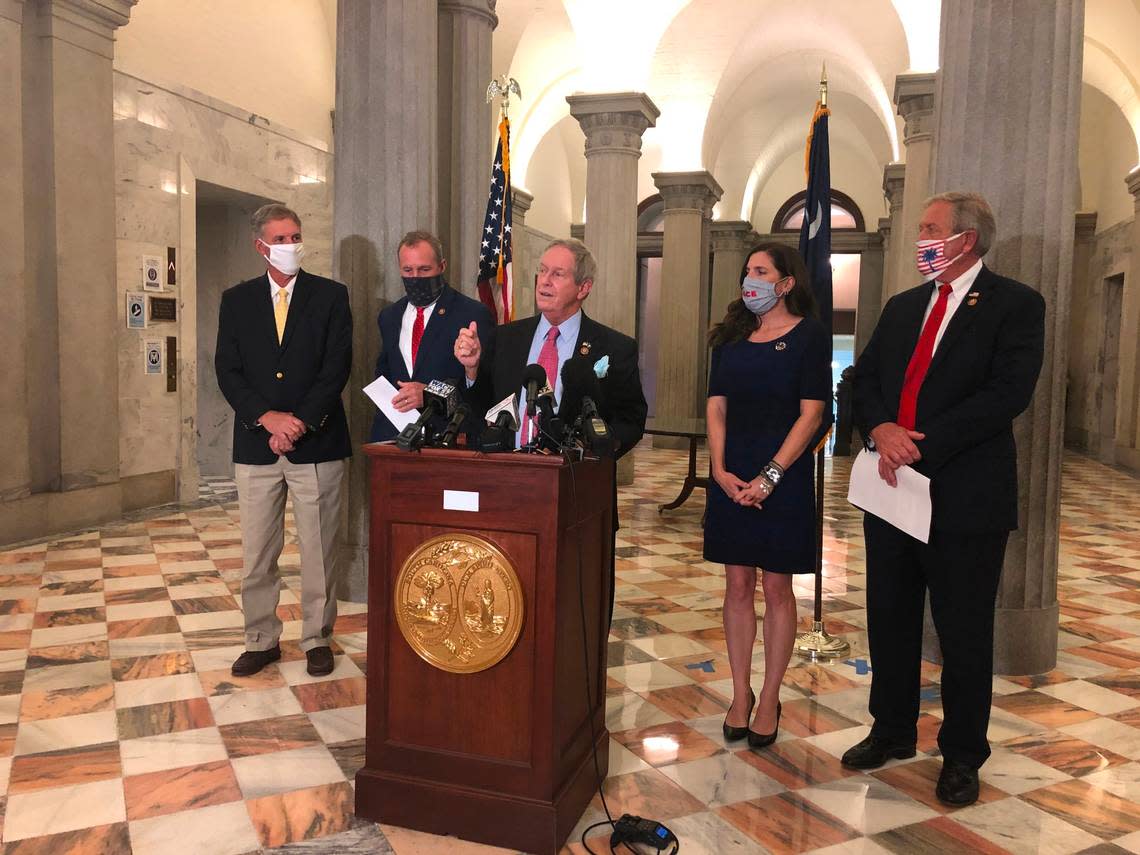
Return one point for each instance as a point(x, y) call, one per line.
point(982, 376)
point(303, 375)
point(436, 357)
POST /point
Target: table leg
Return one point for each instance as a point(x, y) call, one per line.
point(689, 483)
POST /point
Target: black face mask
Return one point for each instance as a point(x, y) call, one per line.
point(423, 290)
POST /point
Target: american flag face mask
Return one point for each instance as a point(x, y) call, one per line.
point(930, 255)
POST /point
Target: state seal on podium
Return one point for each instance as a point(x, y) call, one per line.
point(459, 603)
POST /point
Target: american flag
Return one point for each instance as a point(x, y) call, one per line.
point(495, 286)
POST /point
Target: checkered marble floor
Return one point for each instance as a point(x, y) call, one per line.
point(121, 729)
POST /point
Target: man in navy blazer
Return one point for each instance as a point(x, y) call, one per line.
point(948, 368)
point(282, 359)
point(418, 330)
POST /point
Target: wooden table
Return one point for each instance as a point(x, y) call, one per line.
point(694, 430)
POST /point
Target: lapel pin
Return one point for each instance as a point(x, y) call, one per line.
point(442, 311)
point(973, 301)
point(584, 349)
point(781, 345)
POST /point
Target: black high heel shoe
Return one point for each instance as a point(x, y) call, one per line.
point(762, 740)
point(731, 733)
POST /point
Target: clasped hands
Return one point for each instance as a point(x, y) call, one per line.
point(896, 448)
point(284, 430)
point(750, 494)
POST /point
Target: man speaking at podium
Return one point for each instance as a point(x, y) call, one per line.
point(560, 332)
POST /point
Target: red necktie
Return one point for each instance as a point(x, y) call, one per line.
point(920, 360)
point(548, 359)
point(417, 334)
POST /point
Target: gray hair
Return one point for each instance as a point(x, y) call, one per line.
point(585, 267)
point(269, 213)
point(971, 212)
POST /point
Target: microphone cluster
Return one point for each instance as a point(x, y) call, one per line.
point(577, 426)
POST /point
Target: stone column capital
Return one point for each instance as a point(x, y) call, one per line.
point(1085, 225)
point(87, 24)
point(613, 122)
point(520, 202)
point(730, 235)
point(692, 191)
point(476, 8)
point(578, 231)
point(894, 180)
point(914, 96)
point(884, 228)
point(1133, 182)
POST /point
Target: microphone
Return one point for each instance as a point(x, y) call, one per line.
point(451, 432)
point(440, 399)
point(595, 432)
point(534, 378)
point(502, 422)
point(578, 382)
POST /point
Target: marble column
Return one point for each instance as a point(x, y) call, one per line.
point(1127, 449)
point(872, 262)
point(870, 303)
point(524, 252)
point(386, 184)
point(613, 124)
point(1007, 109)
point(15, 479)
point(897, 275)
point(464, 143)
point(689, 198)
point(731, 240)
point(70, 240)
point(914, 95)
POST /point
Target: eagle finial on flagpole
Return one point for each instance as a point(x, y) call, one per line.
point(503, 88)
point(823, 86)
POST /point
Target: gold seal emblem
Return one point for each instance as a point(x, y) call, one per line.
point(459, 603)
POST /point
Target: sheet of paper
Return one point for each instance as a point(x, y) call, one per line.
point(382, 392)
point(906, 507)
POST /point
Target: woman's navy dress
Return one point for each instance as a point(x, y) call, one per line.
point(764, 383)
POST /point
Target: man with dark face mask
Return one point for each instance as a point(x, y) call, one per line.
point(418, 330)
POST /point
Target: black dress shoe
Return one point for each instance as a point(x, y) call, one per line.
point(957, 784)
point(874, 751)
point(252, 661)
point(733, 733)
point(762, 740)
point(320, 661)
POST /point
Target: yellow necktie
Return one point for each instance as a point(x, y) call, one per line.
point(281, 312)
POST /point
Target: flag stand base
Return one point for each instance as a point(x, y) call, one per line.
point(818, 644)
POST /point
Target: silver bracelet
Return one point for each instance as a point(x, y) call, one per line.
point(772, 472)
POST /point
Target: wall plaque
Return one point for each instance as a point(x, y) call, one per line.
point(163, 308)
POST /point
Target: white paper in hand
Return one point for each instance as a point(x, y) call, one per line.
point(382, 392)
point(906, 507)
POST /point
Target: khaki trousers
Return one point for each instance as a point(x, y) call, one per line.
point(317, 503)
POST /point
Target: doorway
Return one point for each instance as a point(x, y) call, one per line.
point(1108, 368)
point(225, 257)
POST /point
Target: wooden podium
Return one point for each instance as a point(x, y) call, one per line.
point(501, 756)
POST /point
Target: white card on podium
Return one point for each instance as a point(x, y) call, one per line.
point(460, 500)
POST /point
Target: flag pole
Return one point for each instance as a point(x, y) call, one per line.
point(817, 644)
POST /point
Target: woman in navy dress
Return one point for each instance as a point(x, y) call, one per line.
point(769, 381)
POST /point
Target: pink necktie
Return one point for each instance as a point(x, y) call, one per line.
point(548, 359)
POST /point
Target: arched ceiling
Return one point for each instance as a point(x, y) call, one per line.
point(736, 79)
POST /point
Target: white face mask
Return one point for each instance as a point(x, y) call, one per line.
point(286, 257)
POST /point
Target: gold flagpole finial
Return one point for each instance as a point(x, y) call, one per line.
point(823, 86)
point(503, 88)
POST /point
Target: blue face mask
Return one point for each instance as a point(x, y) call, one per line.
point(759, 295)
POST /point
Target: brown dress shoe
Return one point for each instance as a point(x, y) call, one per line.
point(252, 661)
